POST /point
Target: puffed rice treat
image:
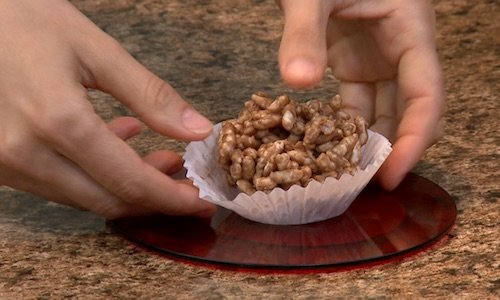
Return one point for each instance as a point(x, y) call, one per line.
point(283, 162)
point(280, 142)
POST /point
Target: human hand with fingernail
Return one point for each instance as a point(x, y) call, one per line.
point(384, 55)
point(54, 145)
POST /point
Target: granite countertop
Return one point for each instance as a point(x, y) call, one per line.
point(216, 53)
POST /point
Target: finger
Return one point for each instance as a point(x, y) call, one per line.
point(125, 127)
point(123, 172)
point(302, 54)
point(57, 179)
point(165, 161)
point(115, 71)
point(77, 133)
point(386, 117)
point(132, 180)
point(421, 88)
point(25, 183)
point(358, 99)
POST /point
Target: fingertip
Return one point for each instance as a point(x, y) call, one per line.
point(125, 127)
point(396, 166)
point(302, 72)
point(203, 209)
point(303, 48)
point(207, 212)
point(167, 162)
point(388, 179)
point(192, 204)
point(200, 126)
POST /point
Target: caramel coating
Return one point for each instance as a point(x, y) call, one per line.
point(281, 142)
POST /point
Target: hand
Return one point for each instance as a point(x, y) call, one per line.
point(51, 141)
point(384, 55)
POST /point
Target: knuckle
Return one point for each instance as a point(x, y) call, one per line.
point(8, 153)
point(158, 94)
point(13, 150)
point(130, 190)
point(73, 123)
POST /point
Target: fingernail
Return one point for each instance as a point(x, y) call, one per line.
point(301, 67)
point(207, 212)
point(301, 73)
point(195, 122)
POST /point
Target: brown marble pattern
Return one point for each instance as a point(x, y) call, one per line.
point(216, 53)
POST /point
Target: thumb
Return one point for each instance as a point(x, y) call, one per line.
point(303, 53)
point(116, 72)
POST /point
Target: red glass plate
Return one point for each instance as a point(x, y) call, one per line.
point(378, 225)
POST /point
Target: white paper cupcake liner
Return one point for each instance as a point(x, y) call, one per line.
point(298, 205)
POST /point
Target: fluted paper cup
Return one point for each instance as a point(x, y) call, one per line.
point(297, 205)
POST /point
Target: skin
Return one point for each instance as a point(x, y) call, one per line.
point(53, 144)
point(51, 141)
point(384, 55)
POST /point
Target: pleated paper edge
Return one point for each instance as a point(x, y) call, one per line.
point(281, 207)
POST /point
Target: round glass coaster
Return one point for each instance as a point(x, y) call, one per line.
point(378, 225)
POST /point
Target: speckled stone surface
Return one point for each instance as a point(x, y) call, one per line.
point(216, 53)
